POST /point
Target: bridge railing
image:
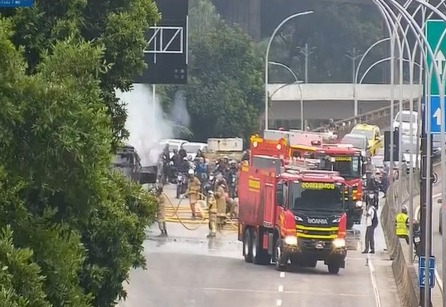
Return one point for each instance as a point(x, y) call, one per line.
point(379, 117)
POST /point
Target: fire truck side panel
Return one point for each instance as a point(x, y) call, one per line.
point(256, 197)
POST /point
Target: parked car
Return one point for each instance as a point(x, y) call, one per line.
point(358, 141)
point(405, 118)
point(373, 135)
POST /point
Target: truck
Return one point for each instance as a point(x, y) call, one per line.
point(128, 162)
point(349, 162)
point(308, 152)
point(292, 216)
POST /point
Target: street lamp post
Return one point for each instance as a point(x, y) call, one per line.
point(353, 56)
point(267, 58)
point(306, 52)
point(298, 82)
point(426, 191)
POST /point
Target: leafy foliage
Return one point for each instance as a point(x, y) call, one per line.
point(225, 90)
point(118, 25)
point(71, 229)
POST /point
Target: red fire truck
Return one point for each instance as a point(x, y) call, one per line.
point(308, 151)
point(291, 215)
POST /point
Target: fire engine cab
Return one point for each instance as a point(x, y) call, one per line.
point(292, 215)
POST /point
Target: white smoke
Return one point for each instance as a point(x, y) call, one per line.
point(178, 113)
point(146, 122)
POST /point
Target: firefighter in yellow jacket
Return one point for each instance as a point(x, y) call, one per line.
point(193, 191)
point(402, 224)
point(220, 196)
point(212, 206)
point(161, 213)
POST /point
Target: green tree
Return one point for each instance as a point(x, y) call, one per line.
point(79, 227)
point(225, 90)
point(118, 25)
point(333, 30)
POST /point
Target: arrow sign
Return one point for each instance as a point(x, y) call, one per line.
point(439, 58)
point(437, 116)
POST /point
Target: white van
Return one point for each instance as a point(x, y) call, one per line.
point(404, 117)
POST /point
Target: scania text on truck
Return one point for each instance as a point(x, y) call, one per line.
point(292, 216)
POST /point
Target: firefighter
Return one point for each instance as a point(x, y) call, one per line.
point(220, 195)
point(193, 189)
point(402, 224)
point(212, 206)
point(161, 213)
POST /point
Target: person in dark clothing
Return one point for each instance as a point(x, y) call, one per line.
point(176, 159)
point(182, 152)
point(200, 155)
point(245, 156)
point(165, 158)
point(184, 166)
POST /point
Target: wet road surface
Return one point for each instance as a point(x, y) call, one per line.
point(187, 269)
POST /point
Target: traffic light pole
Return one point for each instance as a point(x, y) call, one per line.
point(426, 208)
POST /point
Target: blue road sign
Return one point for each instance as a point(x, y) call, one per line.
point(422, 272)
point(16, 3)
point(436, 116)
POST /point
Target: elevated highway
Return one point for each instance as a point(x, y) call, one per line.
point(322, 101)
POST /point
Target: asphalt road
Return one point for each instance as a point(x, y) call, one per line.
point(186, 269)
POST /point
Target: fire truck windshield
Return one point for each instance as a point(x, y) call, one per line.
point(315, 196)
point(348, 167)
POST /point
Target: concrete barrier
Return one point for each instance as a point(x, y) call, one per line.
point(404, 272)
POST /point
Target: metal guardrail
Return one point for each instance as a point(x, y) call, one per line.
point(379, 117)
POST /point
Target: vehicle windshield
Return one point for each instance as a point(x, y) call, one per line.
point(405, 118)
point(348, 167)
point(123, 159)
point(366, 133)
point(355, 141)
point(191, 148)
point(315, 196)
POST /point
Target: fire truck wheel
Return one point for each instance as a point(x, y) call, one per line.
point(259, 255)
point(278, 256)
point(247, 246)
point(333, 268)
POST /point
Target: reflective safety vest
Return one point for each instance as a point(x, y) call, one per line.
point(401, 227)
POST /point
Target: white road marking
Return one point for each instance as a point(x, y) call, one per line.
point(280, 288)
point(438, 278)
point(279, 302)
point(282, 274)
point(373, 279)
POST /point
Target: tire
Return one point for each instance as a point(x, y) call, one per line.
point(247, 246)
point(278, 258)
point(259, 255)
point(312, 264)
point(333, 269)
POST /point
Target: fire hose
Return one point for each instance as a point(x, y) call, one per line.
point(174, 216)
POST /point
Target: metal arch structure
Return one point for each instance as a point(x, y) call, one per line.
point(425, 294)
